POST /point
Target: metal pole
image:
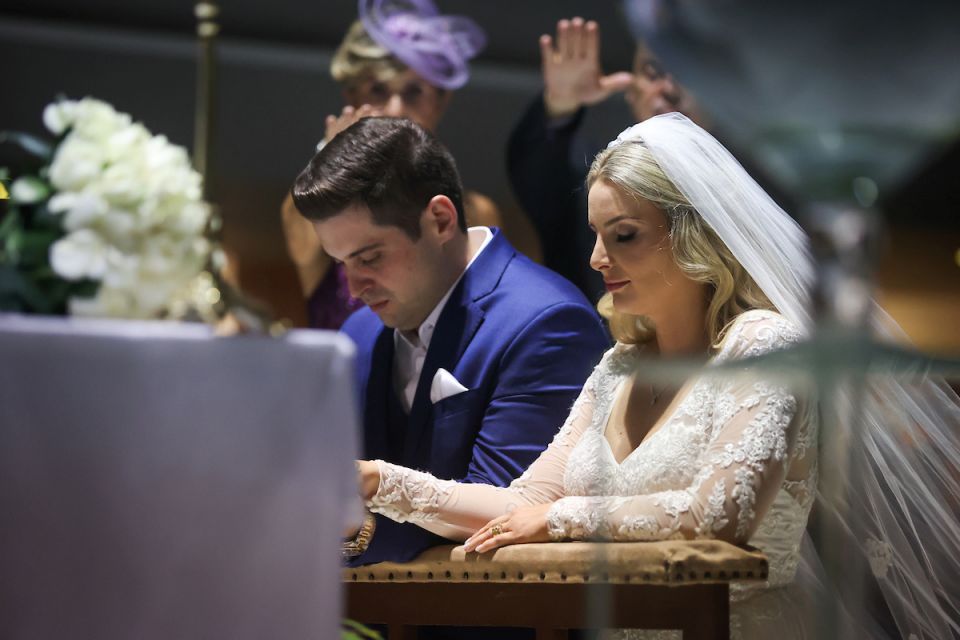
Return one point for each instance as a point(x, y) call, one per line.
point(203, 124)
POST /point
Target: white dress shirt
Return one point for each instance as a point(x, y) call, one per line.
point(410, 350)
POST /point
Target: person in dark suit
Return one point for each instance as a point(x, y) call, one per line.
point(469, 355)
point(548, 155)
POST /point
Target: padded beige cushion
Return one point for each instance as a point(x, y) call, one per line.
point(673, 562)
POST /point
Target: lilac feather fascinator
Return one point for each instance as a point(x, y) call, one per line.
point(435, 46)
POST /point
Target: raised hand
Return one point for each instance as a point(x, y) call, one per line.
point(571, 71)
point(349, 115)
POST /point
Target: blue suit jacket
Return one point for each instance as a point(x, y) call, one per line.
point(521, 339)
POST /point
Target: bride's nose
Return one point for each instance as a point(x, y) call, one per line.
point(599, 260)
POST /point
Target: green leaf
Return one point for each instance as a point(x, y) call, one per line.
point(43, 218)
point(8, 224)
point(85, 288)
point(19, 291)
point(35, 246)
point(33, 145)
point(351, 630)
point(11, 245)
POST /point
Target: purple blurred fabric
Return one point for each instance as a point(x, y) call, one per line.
point(158, 481)
point(435, 46)
point(331, 303)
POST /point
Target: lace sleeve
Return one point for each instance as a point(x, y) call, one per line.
point(740, 471)
point(455, 510)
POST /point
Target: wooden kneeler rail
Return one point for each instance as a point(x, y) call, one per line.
point(554, 587)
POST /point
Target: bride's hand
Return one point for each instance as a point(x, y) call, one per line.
point(525, 524)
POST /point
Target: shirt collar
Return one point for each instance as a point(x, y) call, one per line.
point(426, 328)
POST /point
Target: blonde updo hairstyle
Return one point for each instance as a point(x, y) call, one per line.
point(697, 250)
point(359, 58)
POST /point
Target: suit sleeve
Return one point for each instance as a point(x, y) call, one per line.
point(541, 374)
point(547, 164)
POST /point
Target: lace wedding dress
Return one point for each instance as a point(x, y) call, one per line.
point(733, 458)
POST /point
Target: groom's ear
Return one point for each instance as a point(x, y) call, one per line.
point(441, 217)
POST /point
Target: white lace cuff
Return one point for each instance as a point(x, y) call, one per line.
point(581, 517)
point(405, 495)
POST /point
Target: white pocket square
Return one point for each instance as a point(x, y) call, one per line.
point(444, 385)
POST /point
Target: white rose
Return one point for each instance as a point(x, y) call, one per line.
point(28, 190)
point(150, 213)
point(96, 120)
point(80, 254)
point(76, 163)
point(154, 294)
point(92, 307)
point(126, 143)
point(107, 303)
point(183, 184)
point(133, 205)
point(123, 272)
point(58, 116)
point(120, 184)
point(145, 294)
point(164, 254)
point(120, 228)
point(81, 209)
point(190, 219)
point(159, 153)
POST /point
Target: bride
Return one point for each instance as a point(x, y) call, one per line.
point(697, 261)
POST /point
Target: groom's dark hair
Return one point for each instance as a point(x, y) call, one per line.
point(390, 165)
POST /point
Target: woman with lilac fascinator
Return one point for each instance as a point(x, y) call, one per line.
point(402, 58)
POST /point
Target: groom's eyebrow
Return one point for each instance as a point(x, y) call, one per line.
point(368, 247)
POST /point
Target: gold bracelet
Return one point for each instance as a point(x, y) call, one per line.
point(361, 541)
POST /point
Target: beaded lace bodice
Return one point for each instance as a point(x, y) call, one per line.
point(735, 459)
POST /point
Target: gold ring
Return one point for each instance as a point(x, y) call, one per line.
point(496, 530)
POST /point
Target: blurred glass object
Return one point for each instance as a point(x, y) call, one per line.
point(821, 94)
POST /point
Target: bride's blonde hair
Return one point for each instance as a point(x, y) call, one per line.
point(697, 250)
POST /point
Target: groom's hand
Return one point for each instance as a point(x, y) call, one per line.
point(368, 474)
point(571, 71)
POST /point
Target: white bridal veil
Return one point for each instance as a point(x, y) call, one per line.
point(904, 432)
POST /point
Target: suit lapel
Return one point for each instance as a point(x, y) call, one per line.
point(456, 326)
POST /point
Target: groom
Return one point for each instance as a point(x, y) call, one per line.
point(469, 355)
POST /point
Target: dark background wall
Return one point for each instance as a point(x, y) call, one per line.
point(274, 90)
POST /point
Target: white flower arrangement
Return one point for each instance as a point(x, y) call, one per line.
point(130, 210)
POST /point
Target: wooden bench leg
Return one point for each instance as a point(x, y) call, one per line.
point(711, 621)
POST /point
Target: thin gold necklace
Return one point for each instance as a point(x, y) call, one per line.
point(654, 394)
